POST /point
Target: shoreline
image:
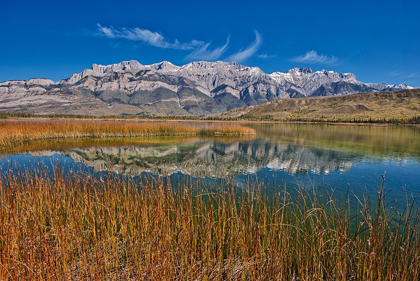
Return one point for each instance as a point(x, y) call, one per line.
point(173, 120)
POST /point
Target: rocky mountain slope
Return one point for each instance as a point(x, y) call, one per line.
point(163, 89)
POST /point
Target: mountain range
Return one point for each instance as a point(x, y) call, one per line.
point(163, 89)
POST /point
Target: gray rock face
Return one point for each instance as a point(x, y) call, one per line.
point(303, 82)
point(198, 88)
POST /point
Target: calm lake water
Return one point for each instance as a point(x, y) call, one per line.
point(335, 157)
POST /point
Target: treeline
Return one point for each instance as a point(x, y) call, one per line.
point(404, 120)
point(322, 119)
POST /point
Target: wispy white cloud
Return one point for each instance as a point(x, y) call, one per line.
point(147, 36)
point(204, 53)
point(265, 56)
point(396, 73)
point(312, 57)
point(249, 51)
point(200, 50)
point(106, 31)
point(414, 75)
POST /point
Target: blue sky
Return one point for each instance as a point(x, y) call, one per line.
point(379, 41)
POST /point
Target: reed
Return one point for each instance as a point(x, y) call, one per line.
point(78, 227)
point(12, 133)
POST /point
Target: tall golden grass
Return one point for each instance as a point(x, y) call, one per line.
point(12, 133)
point(78, 227)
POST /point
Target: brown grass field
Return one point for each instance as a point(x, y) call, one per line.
point(81, 228)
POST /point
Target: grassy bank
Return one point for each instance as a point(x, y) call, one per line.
point(400, 107)
point(13, 133)
point(89, 229)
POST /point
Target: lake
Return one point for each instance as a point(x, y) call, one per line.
point(333, 157)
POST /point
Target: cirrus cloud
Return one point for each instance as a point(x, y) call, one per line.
point(249, 51)
point(312, 57)
point(199, 50)
point(203, 52)
point(147, 36)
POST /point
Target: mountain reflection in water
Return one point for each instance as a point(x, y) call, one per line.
point(214, 159)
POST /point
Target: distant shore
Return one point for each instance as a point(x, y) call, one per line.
point(186, 120)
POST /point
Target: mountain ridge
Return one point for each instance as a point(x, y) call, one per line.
point(163, 89)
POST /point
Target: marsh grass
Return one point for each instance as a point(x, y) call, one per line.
point(15, 133)
point(78, 227)
point(60, 144)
